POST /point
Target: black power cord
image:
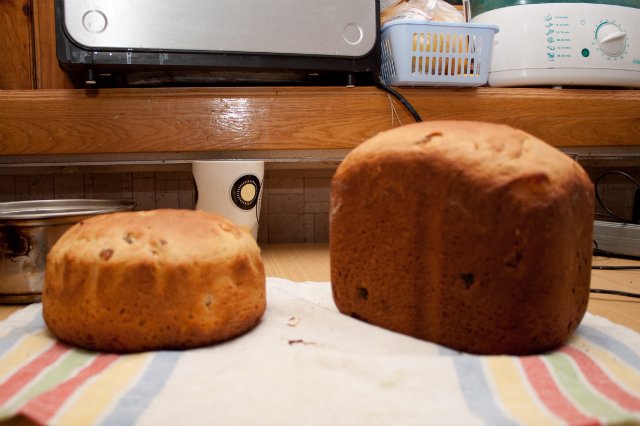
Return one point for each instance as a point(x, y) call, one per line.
point(615, 268)
point(610, 214)
point(381, 84)
point(615, 292)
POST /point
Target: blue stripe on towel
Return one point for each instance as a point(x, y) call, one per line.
point(7, 341)
point(476, 392)
point(621, 350)
point(138, 398)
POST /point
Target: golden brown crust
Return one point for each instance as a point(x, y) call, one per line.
point(136, 281)
point(472, 235)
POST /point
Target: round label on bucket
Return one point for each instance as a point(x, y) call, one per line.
point(245, 192)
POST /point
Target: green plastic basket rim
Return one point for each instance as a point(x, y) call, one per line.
point(481, 6)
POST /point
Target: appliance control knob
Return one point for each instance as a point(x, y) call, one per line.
point(611, 39)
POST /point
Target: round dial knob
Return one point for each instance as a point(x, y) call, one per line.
point(611, 39)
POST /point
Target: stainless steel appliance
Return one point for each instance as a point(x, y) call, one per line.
point(28, 229)
point(143, 42)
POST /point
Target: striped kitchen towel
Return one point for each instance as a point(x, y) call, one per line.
point(305, 363)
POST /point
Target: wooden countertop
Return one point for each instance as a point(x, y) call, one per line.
point(187, 121)
point(310, 262)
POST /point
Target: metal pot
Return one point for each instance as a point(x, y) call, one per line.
point(28, 229)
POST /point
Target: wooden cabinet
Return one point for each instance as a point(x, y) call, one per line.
point(16, 44)
point(49, 75)
point(27, 45)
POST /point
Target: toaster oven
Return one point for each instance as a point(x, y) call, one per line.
point(191, 42)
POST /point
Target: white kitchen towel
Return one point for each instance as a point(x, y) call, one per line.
point(307, 364)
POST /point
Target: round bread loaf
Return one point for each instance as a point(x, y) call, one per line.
point(136, 281)
point(472, 235)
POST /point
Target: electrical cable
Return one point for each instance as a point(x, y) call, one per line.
point(615, 268)
point(615, 292)
point(380, 84)
point(597, 251)
point(609, 213)
point(609, 216)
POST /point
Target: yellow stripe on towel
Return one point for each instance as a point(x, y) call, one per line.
point(26, 349)
point(618, 370)
point(514, 395)
point(99, 394)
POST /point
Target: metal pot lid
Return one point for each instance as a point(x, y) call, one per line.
point(49, 209)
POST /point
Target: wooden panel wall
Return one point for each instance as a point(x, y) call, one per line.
point(49, 75)
point(16, 45)
point(28, 46)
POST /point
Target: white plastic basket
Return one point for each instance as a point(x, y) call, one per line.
point(415, 53)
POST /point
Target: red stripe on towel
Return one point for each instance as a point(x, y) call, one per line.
point(45, 406)
point(601, 381)
point(28, 372)
point(550, 394)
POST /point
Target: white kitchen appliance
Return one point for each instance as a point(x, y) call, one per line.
point(553, 43)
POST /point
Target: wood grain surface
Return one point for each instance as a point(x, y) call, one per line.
point(620, 309)
point(49, 75)
point(293, 118)
point(16, 45)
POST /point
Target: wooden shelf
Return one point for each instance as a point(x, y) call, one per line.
point(200, 120)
